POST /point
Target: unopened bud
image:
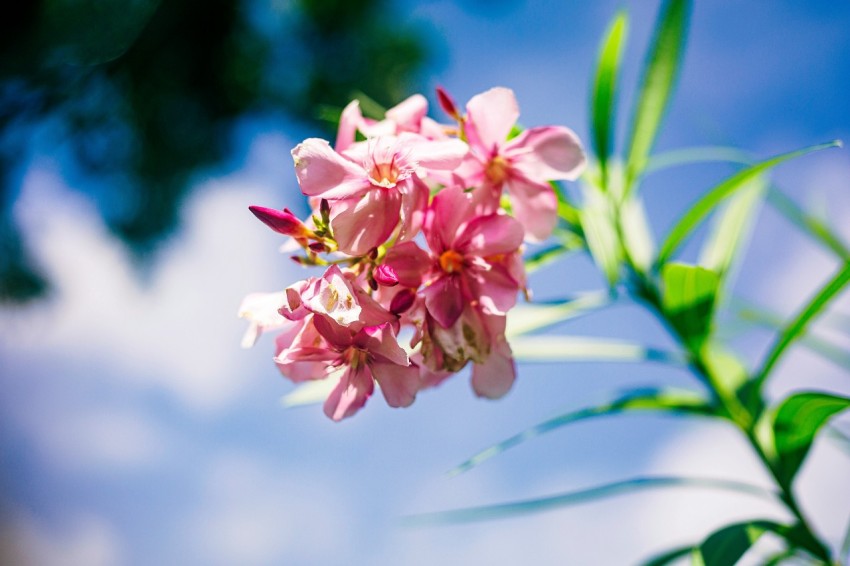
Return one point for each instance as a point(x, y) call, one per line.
point(447, 104)
point(281, 221)
point(402, 301)
point(325, 210)
point(318, 247)
point(386, 276)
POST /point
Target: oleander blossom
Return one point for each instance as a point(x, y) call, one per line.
point(420, 263)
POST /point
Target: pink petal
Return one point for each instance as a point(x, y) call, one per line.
point(444, 300)
point(490, 117)
point(535, 206)
point(450, 208)
point(552, 153)
point(443, 155)
point(349, 122)
point(496, 375)
point(414, 203)
point(381, 344)
point(323, 172)
point(351, 393)
point(495, 289)
point(360, 224)
point(490, 235)
point(409, 262)
point(399, 384)
point(408, 113)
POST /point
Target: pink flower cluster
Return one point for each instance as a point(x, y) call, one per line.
point(410, 226)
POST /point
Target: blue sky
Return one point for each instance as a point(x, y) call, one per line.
point(135, 430)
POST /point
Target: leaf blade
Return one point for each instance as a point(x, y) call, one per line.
point(550, 348)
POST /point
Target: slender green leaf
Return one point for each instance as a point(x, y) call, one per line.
point(637, 236)
point(660, 73)
point(693, 155)
point(585, 348)
point(797, 422)
point(604, 94)
point(692, 218)
point(675, 401)
point(808, 223)
point(797, 327)
point(731, 229)
point(529, 317)
point(688, 299)
point(505, 510)
point(727, 545)
point(597, 221)
point(669, 556)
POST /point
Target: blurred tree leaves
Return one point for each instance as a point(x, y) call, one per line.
point(145, 92)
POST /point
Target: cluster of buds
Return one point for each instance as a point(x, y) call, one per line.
point(411, 228)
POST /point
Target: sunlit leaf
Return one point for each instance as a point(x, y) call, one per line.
point(694, 155)
point(505, 510)
point(604, 94)
point(311, 392)
point(549, 348)
point(660, 73)
point(637, 235)
point(808, 223)
point(699, 210)
point(727, 545)
point(688, 299)
point(674, 401)
point(669, 556)
point(797, 422)
point(797, 326)
point(597, 221)
point(525, 318)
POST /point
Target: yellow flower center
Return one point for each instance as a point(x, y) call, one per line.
point(497, 170)
point(385, 174)
point(451, 261)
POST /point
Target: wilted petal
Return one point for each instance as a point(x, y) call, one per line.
point(496, 375)
point(535, 206)
point(399, 384)
point(490, 117)
point(364, 223)
point(351, 393)
point(552, 153)
point(323, 172)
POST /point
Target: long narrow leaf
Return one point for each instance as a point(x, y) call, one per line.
point(674, 401)
point(688, 298)
point(311, 392)
point(659, 77)
point(585, 348)
point(529, 317)
point(505, 510)
point(604, 94)
point(694, 155)
point(597, 221)
point(797, 327)
point(808, 223)
point(669, 556)
point(727, 545)
point(692, 218)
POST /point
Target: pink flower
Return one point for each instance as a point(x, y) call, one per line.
point(410, 115)
point(523, 165)
point(374, 185)
point(474, 258)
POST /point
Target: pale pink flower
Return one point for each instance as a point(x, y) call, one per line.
point(523, 165)
point(374, 185)
point(410, 115)
point(261, 310)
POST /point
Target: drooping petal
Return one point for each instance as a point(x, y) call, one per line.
point(349, 122)
point(351, 393)
point(490, 117)
point(444, 300)
point(337, 336)
point(361, 224)
point(493, 378)
point(302, 354)
point(551, 153)
point(381, 344)
point(535, 206)
point(323, 172)
point(490, 235)
point(399, 384)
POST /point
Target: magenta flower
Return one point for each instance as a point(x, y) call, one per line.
point(373, 185)
point(524, 165)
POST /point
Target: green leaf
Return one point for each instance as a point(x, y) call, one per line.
point(688, 299)
point(585, 348)
point(732, 229)
point(637, 236)
point(797, 327)
point(693, 155)
point(525, 318)
point(797, 422)
point(659, 76)
point(504, 510)
point(808, 223)
point(604, 95)
point(727, 545)
point(675, 401)
point(694, 216)
point(669, 556)
point(597, 221)
point(311, 392)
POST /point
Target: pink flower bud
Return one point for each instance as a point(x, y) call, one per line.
point(402, 301)
point(282, 222)
point(447, 104)
point(385, 275)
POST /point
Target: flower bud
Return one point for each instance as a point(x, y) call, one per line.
point(385, 275)
point(447, 104)
point(402, 301)
point(281, 221)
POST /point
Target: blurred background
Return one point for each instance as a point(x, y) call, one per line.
point(133, 136)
